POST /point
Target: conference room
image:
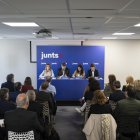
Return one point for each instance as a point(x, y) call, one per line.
point(71, 32)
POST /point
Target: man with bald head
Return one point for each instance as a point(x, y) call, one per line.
point(21, 120)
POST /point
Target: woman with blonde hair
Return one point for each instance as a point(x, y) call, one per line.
point(47, 72)
point(100, 105)
point(129, 82)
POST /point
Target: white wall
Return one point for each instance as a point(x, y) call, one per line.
point(121, 58)
point(15, 58)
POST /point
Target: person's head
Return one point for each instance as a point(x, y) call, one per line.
point(28, 81)
point(48, 79)
point(63, 66)
point(18, 86)
point(4, 94)
point(137, 85)
point(10, 78)
point(111, 78)
point(80, 69)
point(116, 84)
point(48, 67)
point(131, 91)
point(31, 95)
point(22, 101)
point(93, 84)
point(99, 97)
point(129, 80)
point(92, 67)
point(44, 85)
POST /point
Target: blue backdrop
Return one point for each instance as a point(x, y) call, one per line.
point(72, 55)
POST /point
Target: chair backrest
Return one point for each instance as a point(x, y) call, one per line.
point(100, 127)
point(46, 111)
point(21, 135)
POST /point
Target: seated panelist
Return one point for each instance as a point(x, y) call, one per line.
point(79, 72)
point(92, 72)
point(47, 72)
point(63, 71)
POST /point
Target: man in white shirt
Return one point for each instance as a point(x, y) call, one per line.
point(50, 88)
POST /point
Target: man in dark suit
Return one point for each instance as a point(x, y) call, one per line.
point(92, 72)
point(128, 112)
point(118, 94)
point(63, 71)
point(10, 83)
point(21, 120)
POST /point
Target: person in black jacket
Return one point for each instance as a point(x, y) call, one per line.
point(99, 105)
point(43, 96)
point(22, 120)
point(93, 72)
point(10, 83)
point(35, 106)
point(63, 71)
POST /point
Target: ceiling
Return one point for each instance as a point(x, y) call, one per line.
point(71, 19)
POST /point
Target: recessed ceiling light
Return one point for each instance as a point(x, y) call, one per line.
point(123, 33)
point(109, 38)
point(21, 24)
point(137, 25)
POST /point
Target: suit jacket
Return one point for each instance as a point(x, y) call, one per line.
point(38, 108)
point(96, 73)
point(125, 109)
point(60, 72)
point(9, 85)
point(21, 120)
point(117, 95)
point(5, 106)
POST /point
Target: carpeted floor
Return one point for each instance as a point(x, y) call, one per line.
point(69, 123)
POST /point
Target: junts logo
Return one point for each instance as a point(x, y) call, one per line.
point(50, 55)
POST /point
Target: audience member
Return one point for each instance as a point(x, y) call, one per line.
point(137, 88)
point(127, 111)
point(117, 95)
point(79, 72)
point(100, 106)
point(50, 88)
point(43, 96)
point(27, 85)
point(109, 88)
point(47, 72)
point(18, 86)
point(21, 120)
point(5, 105)
point(93, 85)
point(10, 83)
point(63, 71)
point(129, 82)
point(93, 72)
point(35, 106)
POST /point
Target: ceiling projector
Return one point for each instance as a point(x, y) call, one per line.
point(43, 33)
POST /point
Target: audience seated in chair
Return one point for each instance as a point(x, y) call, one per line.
point(35, 106)
point(10, 83)
point(117, 95)
point(100, 105)
point(27, 85)
point(127, 114)
point(21, 120)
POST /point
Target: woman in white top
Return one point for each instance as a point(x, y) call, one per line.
point(48, 72)
point(79, 72)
